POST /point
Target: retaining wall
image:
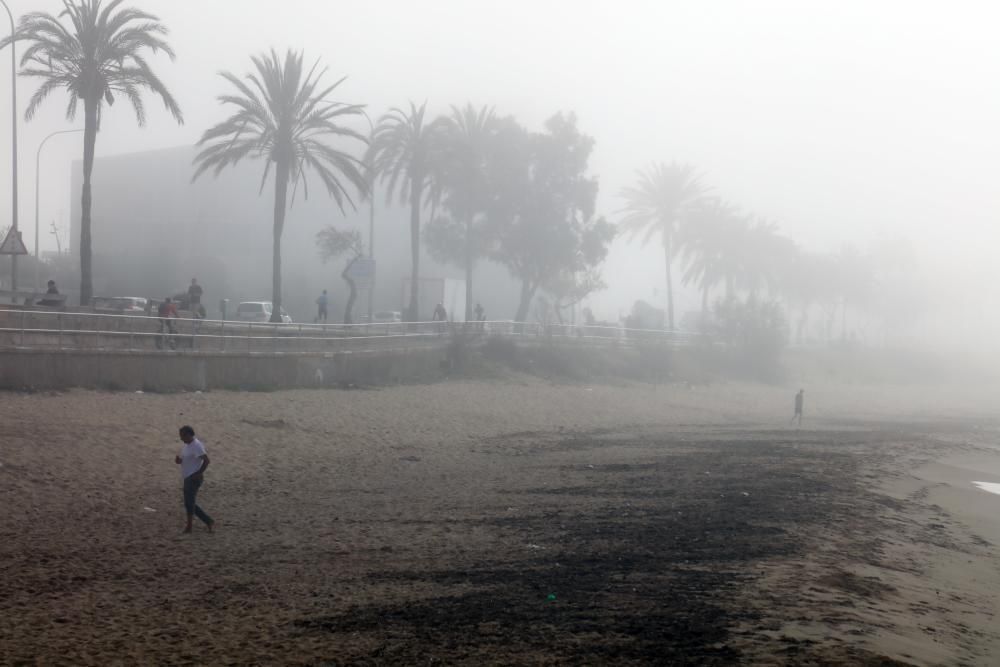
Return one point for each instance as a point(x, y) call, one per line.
point(175, 371)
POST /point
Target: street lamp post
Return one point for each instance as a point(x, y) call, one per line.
point(13, 123)
point(38, 159)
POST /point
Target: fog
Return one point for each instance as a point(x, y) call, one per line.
point(850, 123)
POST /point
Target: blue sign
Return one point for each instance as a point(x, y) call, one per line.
point(362, 272)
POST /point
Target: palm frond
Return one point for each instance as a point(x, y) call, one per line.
point(95, 50)
point(280, 117)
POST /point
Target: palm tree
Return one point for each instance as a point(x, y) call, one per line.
point(283, 116)
point(403, 153)
point(705, 240)
point(98, 55)
point(467, 137)
point(720, 244)
point(767, 256)
point(657, 204)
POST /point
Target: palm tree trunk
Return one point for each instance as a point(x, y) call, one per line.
point(353, 292)
point(416, 187)
point(704, 307)
point(468, 269)
point(527, 293)
point(843, 320)
point(86, 201)
point(280, 206)
point(670, 286)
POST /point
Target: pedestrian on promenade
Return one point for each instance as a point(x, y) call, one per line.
point(167, 313)
point(321, 304)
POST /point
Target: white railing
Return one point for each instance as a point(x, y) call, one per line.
point(41, 329)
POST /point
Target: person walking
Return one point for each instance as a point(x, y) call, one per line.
point(193, 461)
point(480, 316)
point(799, 400)
point(194, 294)
point(168, 313)
point(194, 299)
point(321, 304)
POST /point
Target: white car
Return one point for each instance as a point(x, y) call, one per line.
point(130, 305)
point(385, 316)
point(259, 311)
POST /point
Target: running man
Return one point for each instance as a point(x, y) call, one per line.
point(193, 461)
point(799, 398)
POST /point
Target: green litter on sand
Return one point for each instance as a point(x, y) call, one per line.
point(552, 597)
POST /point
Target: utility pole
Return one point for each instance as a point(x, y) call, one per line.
point(38, 173)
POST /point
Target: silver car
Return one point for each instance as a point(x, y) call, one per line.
point(259, 311)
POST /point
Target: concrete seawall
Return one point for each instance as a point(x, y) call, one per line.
point(168, 371)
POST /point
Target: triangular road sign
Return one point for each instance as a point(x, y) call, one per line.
point(13, 245)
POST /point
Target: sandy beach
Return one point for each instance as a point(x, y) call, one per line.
point(510, 521)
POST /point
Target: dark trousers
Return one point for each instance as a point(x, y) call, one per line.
point(191, 486)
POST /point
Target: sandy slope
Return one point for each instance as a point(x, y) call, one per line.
point(418, 522)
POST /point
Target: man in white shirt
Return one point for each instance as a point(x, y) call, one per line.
point(193, 460)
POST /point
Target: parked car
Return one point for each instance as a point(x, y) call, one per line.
point(258, 311)
point(383, 316)
point(130, 305)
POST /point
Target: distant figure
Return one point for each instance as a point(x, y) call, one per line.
point(193, 461)
point(51, 290)
point(480, 317)
point(440, 314)
point(167, 313)
point(194, 295)
point(321, 304)
point(799, 398)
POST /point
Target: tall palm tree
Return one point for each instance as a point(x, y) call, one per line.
point(283, 116)
point(100, 53)
point(468, 136)
point(766, 257)
point(404, 154)
point(720, 244)
point(656, 205)
point(705, 241)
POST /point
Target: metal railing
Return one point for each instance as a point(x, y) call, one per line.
point(58, 330)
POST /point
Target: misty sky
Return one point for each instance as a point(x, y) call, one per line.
point(846, 121)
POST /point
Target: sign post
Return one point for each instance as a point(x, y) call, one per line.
point(362, 272)
point(12, 244)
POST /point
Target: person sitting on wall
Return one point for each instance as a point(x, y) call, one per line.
point(49, 301)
